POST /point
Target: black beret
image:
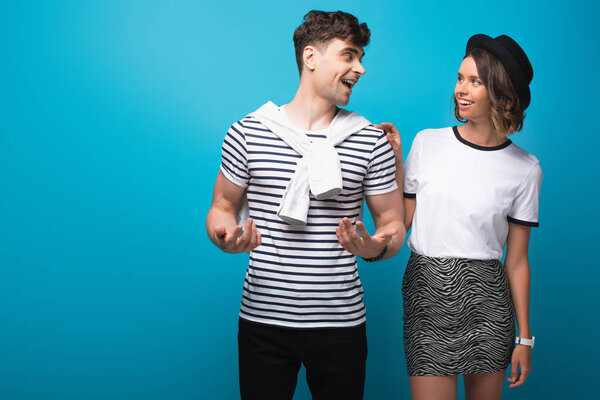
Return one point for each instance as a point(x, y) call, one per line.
point(512, 57)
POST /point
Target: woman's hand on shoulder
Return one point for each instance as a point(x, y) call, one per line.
point(392, 135)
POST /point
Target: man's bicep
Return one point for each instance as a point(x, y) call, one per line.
point(385, 208)
point(227, 196)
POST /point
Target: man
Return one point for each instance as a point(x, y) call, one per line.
point(300, 171)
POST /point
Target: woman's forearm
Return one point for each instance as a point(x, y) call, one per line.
point(519, 278)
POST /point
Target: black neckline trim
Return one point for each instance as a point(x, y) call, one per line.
point(478, 147)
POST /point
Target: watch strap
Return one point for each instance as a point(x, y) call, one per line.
point(525, 342)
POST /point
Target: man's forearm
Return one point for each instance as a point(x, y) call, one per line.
point(387, 211)
point(395, 244)
point(216, 217)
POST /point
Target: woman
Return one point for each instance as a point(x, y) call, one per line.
point(469, 191)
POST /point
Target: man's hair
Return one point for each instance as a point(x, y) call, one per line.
point(506, 109)
point(319, 27)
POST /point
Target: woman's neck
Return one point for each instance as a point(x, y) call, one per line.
point(481, 133)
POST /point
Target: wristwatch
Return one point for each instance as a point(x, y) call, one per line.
point(525, 342)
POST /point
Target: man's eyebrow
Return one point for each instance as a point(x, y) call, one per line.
point(353, 50)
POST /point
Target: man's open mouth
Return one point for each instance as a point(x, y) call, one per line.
point(349, 83)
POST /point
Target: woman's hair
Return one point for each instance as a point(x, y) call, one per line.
point(506, 109)
point(320, 27)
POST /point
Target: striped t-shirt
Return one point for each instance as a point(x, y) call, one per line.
point(301, 277)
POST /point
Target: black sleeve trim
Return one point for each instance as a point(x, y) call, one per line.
point(519, 222)
point(410, 195)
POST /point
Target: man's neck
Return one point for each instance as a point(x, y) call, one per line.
point(309, 111)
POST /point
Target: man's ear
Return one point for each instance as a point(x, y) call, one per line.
point(309, 57)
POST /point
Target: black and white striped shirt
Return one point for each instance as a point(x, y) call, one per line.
point(301, 277)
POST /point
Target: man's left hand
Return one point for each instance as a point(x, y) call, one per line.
point(363, 245)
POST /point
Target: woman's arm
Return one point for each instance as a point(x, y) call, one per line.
point(409, 211)
point(517, 269)
point(393, 136)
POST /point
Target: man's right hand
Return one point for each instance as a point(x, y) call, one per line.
point(221, 219)
point(232, 242)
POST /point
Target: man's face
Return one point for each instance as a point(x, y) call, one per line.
point(337, 67)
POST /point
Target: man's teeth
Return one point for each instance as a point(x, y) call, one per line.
point(465, 102)
point(348, 83)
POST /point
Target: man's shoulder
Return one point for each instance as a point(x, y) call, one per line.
point(248, 121)
point(247, 126)
point(251, 119)
point(371, 128)
point(369, 132)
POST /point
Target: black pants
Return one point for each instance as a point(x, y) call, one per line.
point(270, 358)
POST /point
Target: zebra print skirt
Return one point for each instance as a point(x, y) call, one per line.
point(458, 316)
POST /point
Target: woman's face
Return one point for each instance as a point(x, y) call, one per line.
point(470, 93)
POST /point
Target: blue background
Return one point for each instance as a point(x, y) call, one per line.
point(111, 121)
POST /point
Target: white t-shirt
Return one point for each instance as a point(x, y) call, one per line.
point(467, 194)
